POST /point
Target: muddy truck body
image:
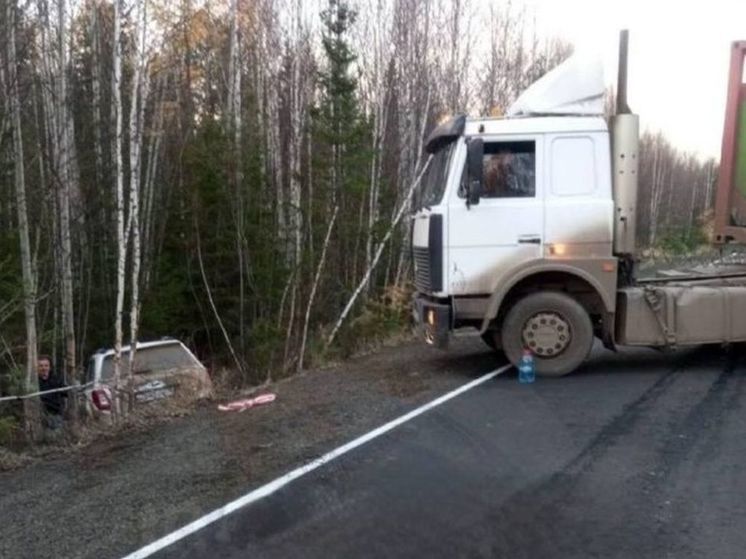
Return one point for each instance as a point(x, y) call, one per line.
point(526, 226)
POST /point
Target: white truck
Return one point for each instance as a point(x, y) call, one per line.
point(525, 229)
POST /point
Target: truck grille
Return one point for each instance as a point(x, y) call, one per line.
point(428, 261)
point(422, 268)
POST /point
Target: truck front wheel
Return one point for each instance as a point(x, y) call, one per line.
point(554, 327)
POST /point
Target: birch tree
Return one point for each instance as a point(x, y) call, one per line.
point(235, 125)
point(54, 44)
point(138, 101)
point(116, 88)
point(10, 85)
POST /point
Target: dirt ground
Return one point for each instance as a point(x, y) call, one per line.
point(115, 495)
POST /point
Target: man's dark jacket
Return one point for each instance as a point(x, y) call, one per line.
point(53, 403)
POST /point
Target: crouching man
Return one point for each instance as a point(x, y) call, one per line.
point(54, 403)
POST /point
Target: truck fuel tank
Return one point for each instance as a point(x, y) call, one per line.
point(681, 314)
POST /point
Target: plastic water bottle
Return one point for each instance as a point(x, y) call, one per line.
point(526, 368)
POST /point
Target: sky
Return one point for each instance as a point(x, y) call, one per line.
point(679, 55)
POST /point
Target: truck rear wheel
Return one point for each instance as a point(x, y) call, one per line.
point(554, 327)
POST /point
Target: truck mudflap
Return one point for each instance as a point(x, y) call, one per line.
point(433, 320)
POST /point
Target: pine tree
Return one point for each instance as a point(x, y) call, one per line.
point(343, 155)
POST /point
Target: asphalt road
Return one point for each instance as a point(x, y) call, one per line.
point(637, 455)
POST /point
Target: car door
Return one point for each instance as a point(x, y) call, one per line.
point(506, 228)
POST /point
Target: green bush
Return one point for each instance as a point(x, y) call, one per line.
point(267, 342)
point(681, 241)
point(9, 427)
point(378, 320)
point(12, 383)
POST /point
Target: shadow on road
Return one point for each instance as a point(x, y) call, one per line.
point(654, 361)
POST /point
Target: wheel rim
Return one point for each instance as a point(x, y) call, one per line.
point(546, 334)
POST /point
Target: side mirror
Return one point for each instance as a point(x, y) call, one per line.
point(474, 167)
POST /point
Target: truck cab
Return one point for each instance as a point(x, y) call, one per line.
point(524, 225)
point(514, 204)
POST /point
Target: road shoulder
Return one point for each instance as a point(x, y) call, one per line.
point(148, 483)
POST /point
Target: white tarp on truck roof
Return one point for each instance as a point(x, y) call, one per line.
point(575, 87)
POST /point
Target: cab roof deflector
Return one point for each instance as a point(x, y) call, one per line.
point(575, 87)
point(445, 133)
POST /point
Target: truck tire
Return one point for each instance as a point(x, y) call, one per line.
point(554, 326)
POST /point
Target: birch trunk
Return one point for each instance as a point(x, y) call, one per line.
point(119, 193)
point(235, 127)
point(54, 57)
point(95, 38)
point(31, 407)
point(315, 286)
point(148, 221)
point(297, 118)
point(138, 101)
point(67, 176)
point(214, 308)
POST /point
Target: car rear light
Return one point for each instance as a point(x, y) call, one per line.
point(101, 399)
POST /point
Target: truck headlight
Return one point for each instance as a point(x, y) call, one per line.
point(431, 317)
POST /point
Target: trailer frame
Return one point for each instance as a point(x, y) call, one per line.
point(728, 201)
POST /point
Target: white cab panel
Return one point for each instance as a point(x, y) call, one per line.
point(578, 204)
point(498, 233)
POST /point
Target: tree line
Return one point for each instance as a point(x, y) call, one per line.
point(677, 194)
point(227, 172)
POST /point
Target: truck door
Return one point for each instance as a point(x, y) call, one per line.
point(506, 228)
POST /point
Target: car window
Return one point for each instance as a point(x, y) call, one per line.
point(90, 372)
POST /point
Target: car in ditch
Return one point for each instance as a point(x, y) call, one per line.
point(164, 370)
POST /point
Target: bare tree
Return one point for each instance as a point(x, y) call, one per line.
point(235, 125)
point(10, 85)
point(314, 287)
point(116, 87)
point(138, 100)
point(54, 45)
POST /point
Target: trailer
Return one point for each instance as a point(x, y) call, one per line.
point(526, 225)
point(730, 203)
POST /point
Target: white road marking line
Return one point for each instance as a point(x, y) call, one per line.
point(280, 482)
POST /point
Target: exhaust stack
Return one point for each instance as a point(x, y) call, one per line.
point(622, 108)
point(624, 151)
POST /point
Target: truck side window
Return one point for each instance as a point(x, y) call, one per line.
point(509, 170)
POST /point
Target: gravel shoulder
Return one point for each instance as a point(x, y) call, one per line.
point(117, 494)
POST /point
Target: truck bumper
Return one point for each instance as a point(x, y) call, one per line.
point(433, 320)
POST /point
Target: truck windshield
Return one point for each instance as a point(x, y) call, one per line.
point(434, 181)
